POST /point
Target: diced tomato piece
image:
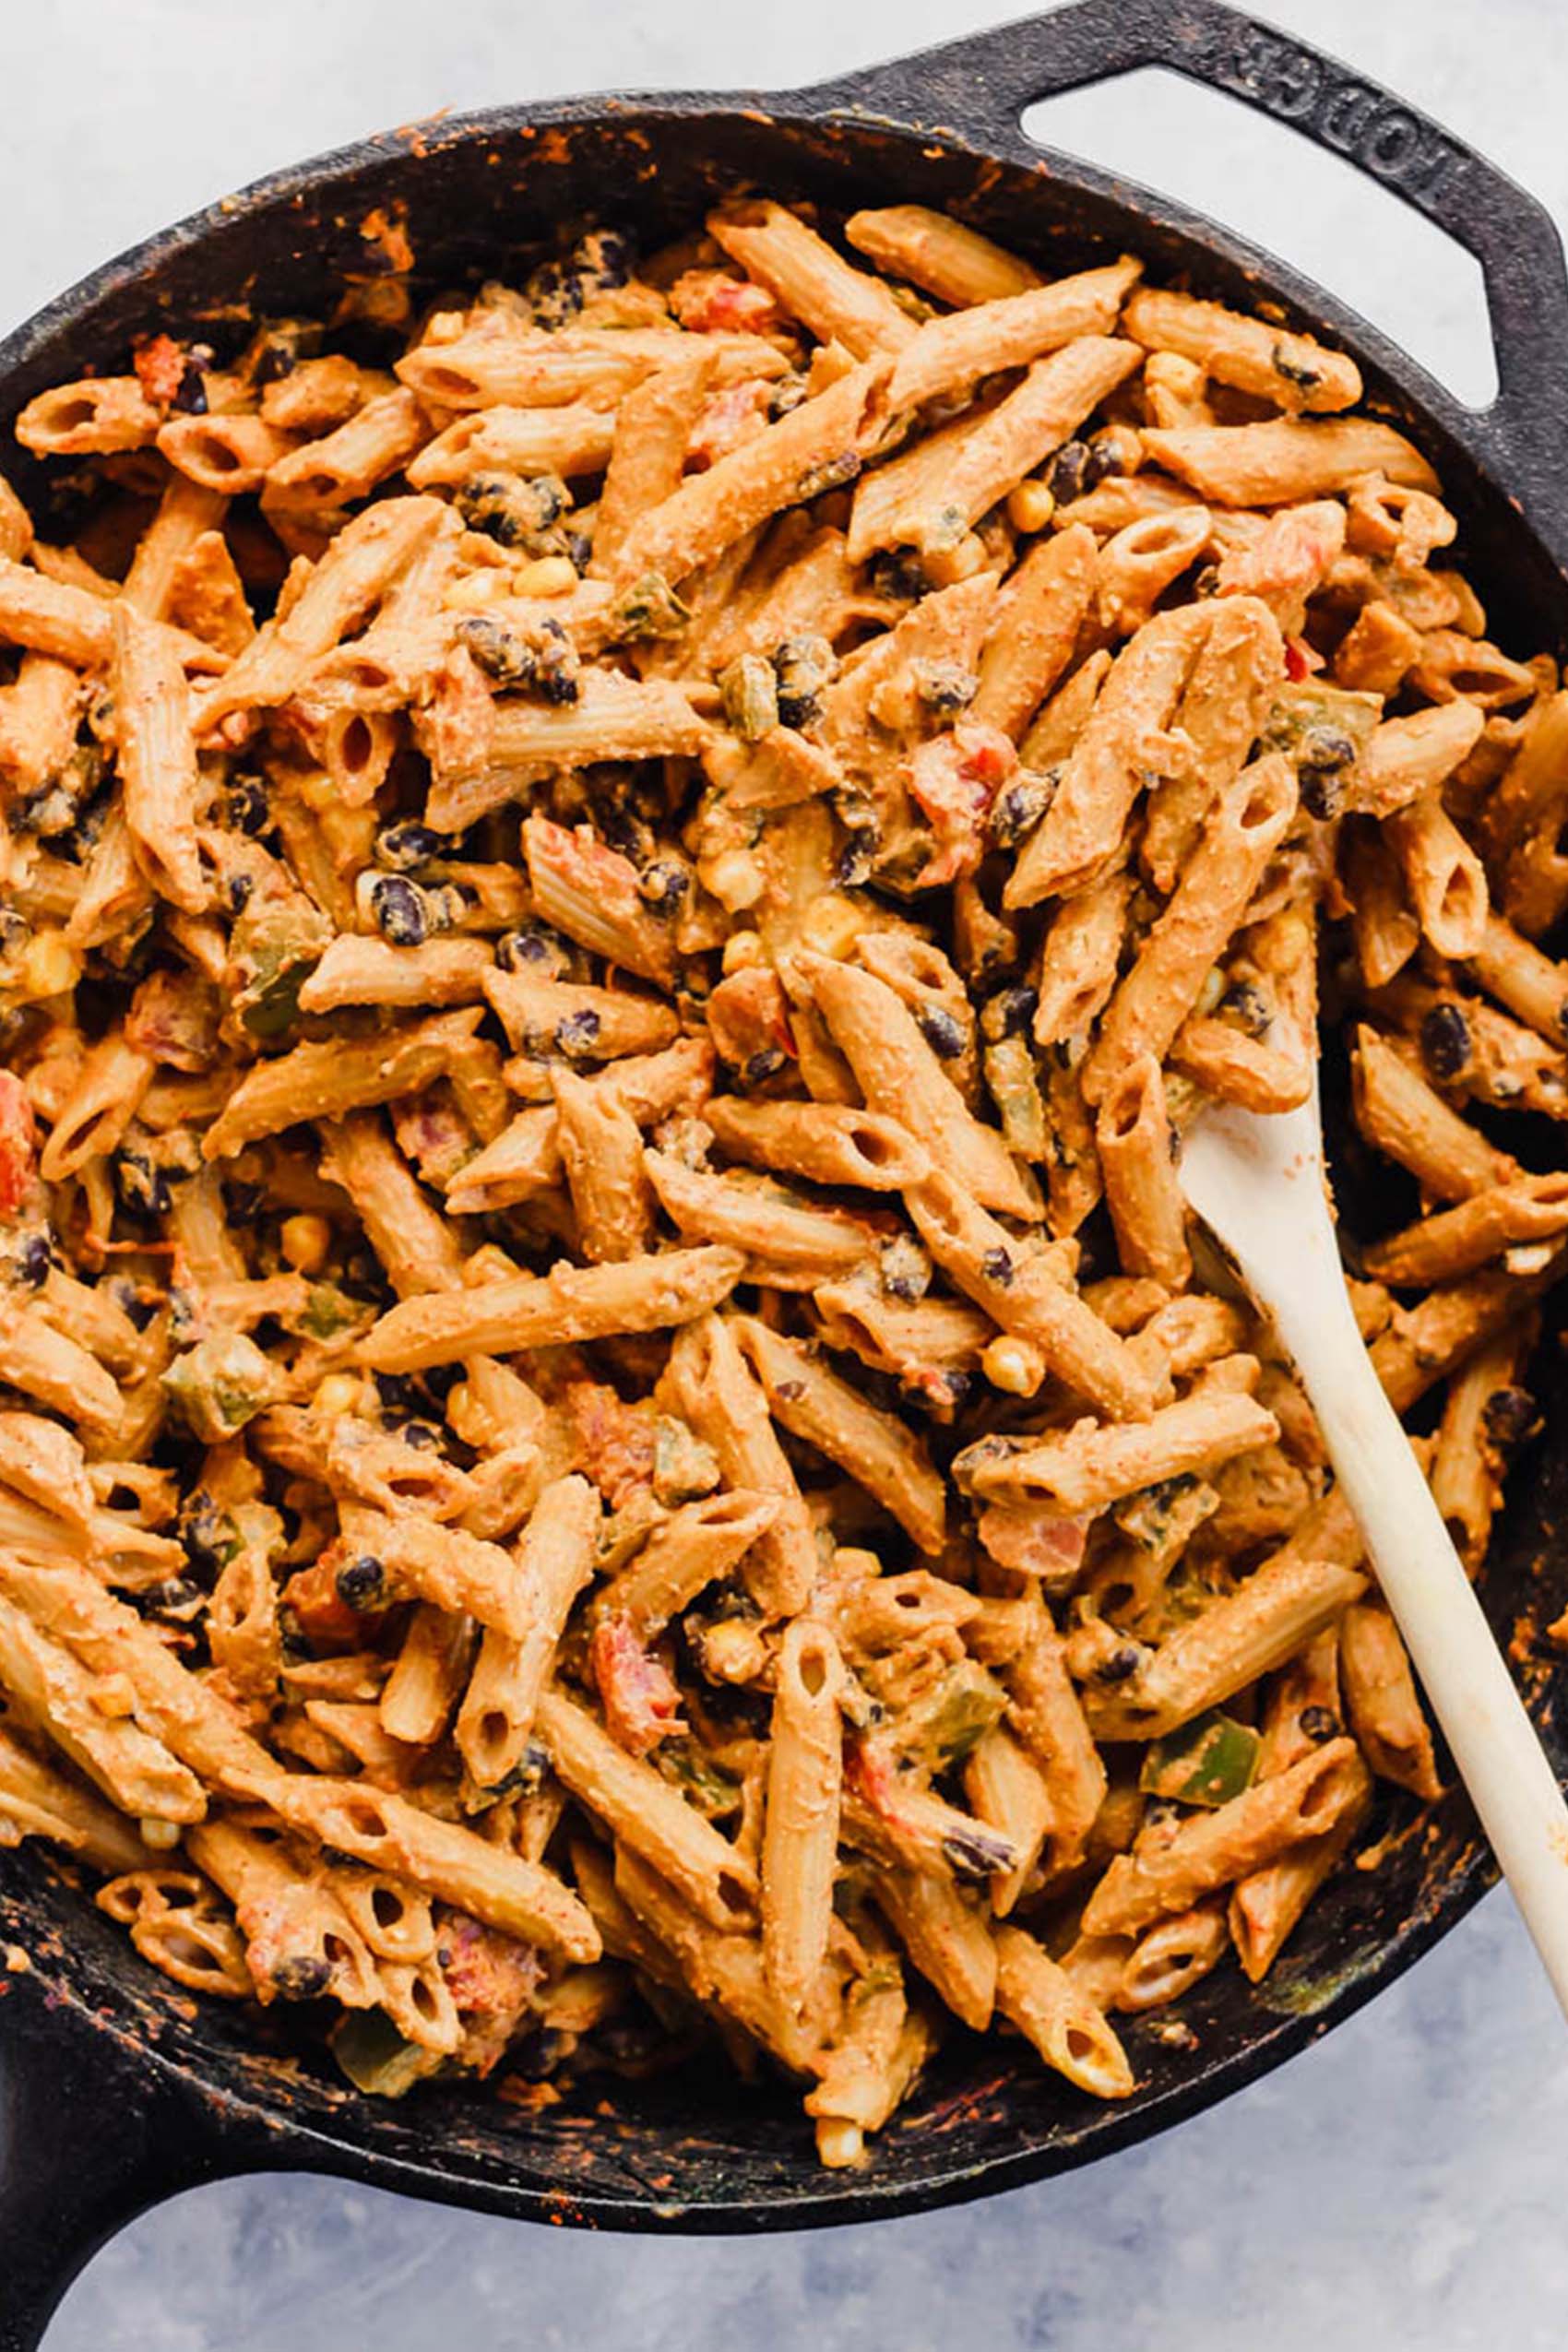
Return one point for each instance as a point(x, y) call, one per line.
point(1032, 1544)
point(493, 1978)
point(749, 1014)
point(159, 364)
point(731, 418)
point(1289, 558)
point(711, 301)
point(1300, 659)
point(173, 1018)
point(318, 1608)
point(614, 1442)
point(642, 1706)
point(954, 780)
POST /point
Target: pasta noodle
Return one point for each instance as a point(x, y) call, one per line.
point(586, 921)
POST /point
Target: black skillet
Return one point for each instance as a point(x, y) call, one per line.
point(117, 2093)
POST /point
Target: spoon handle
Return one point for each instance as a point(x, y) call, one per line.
point(1500, 1758)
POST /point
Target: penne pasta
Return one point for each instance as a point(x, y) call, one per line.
point(592, 910)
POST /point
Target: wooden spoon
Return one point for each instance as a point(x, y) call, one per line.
point(1257, 1182)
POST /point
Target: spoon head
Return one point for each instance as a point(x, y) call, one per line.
point(1256, 1178)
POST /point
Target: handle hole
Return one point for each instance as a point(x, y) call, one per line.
point(1319, 212)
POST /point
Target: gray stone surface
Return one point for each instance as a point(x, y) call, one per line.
point(1405, 2182)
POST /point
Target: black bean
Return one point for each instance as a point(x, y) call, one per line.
point(997, 1266)
point(31, 1264)
point(664, 884)
point(904, 1268)
point(974, 1855)
point(1294, 371)
point(142, 1185)
point(47, 812)
point(1020, 805)
point(207, 1533)
point(422, 1436)
point(362, 1584)
point(944, 685)
point(439, 1380)
point(1122, 1662)
point(1105, 459)
point(533, 950)
point(1247, 1005)
point(282, 348)
point(1319, 1723)
point(245, 1201)
point(395, 1393)
point(511, 510)
point(300, 1975)
point(1326, 747)
point(499, 652)
point(238, 892)
point(763, 1066)
point(1067, 478)
point(140, 1307)
point(578, 1033)
point(1321, 792)
point(190, 393)
point(246, 807)
point(399, 911)
point(833, 473)
point(527, 1776)
point(1445, 1040)
point(537, 2055)
point(176, 1598)
point(897, 573)
point(852, 868)
point(802, 666)
point(403, 847)
point(941, 1032)
point(1009, 1013)
point(1509, 1417)
point(556, 665)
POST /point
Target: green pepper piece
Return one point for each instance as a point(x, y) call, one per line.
point(375, 2058)
point(1207, 1762)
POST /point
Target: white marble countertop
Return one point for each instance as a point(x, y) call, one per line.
point(1404, 2183)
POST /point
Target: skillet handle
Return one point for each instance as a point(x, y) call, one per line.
point(85, 2146)
point(979, 88)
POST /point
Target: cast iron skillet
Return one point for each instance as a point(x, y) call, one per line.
point(118, 2092)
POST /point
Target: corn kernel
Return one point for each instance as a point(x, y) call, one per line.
point(951, 565)
point(733, 1651)
point(305, 1241)
point(1013, 1365)
point(743, 952)
point(852, 1562)
point(1031, 507)
point(48, 966)
point(547, 575)
point(471, 592)
point(1171, 372)
point(161, 1836)
point(1211, 991)
point(734, 877)
point(338, 1394)
point(832, 924)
